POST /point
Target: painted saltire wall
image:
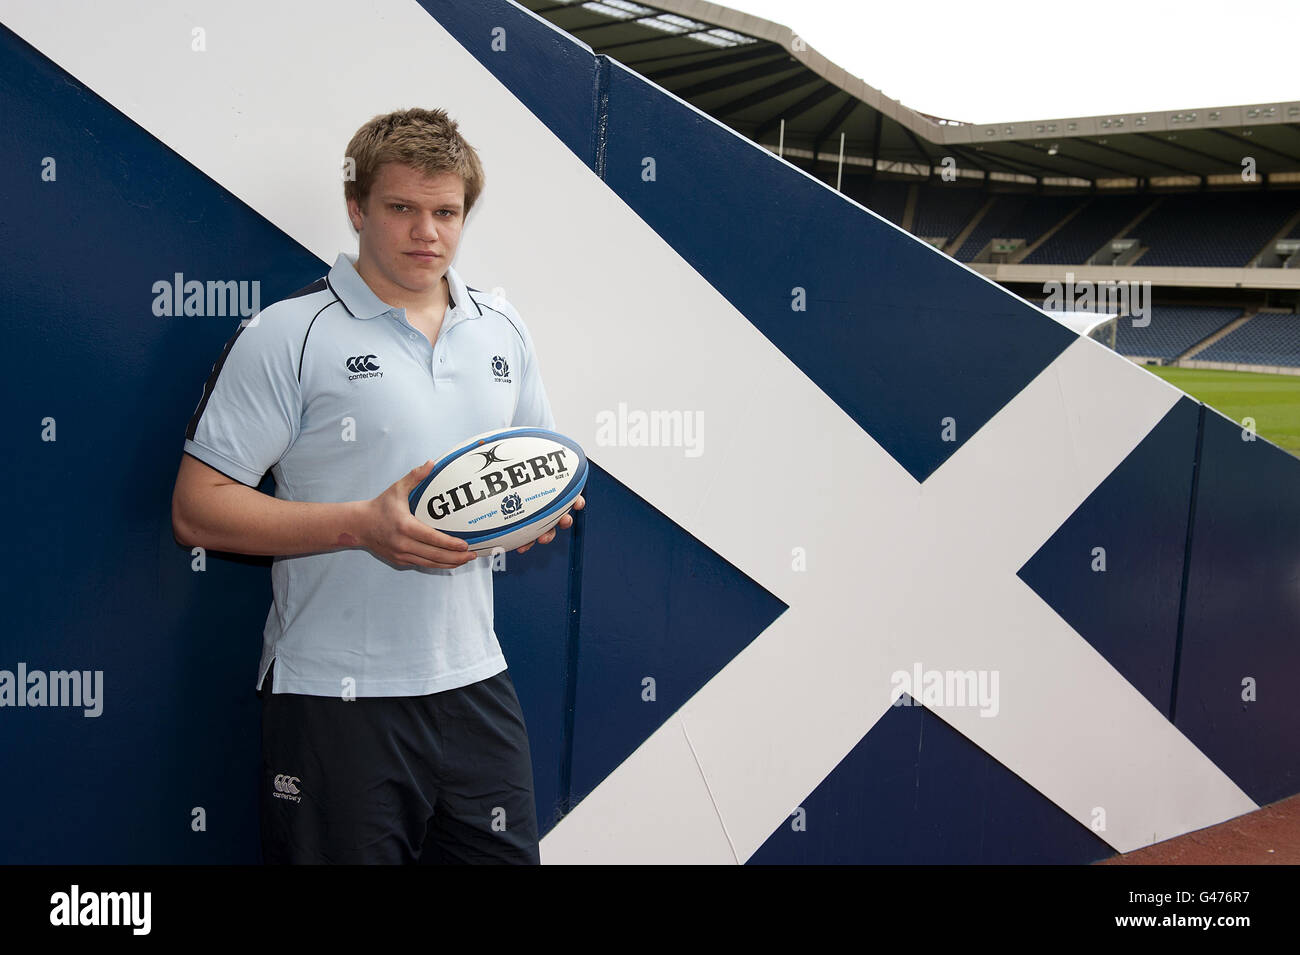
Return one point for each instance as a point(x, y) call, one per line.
point(899, 466)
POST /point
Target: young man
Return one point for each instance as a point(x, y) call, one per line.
point(391, 730)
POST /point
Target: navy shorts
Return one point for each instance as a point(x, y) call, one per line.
point(442, 778)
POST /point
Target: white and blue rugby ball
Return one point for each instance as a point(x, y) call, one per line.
point(502, 488)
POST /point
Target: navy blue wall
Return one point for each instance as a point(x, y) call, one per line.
point(1243, 613)
point(94, 578)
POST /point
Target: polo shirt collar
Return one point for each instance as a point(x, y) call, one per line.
point(361, 301)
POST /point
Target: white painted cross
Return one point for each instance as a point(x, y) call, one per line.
point(919, 572)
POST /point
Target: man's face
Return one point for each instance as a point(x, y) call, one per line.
point(409, 228)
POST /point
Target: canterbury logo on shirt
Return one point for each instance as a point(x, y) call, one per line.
point(364, 366)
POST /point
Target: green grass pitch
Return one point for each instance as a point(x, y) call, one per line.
point(1272, 400)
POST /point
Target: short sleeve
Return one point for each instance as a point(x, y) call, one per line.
point(250, 412)
point(533, 408)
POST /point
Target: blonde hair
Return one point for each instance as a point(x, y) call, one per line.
point(425, 139)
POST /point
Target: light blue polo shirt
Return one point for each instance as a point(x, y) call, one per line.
point(338, 396)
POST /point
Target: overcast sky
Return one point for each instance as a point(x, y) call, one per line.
point(1017, 59)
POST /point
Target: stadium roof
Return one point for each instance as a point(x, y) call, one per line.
point(751, 73)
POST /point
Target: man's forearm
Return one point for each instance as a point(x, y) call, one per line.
point(242, 520)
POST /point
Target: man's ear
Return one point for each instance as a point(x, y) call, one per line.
point(354, 214)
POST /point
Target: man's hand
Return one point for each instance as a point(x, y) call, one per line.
point(390, 532)
point(565, 522)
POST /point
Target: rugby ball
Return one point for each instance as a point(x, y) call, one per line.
point(502, 488)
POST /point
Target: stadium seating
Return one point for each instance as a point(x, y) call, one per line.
point(1270, 338)
point(1017, 217)
point(886, 197)
point(942, 209)
point(1172, 331)
point(1213, 229)
point(1089, 230)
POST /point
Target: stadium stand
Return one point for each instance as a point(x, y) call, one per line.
point(1087, 232)
point(1270, 338)
point(942, 209)
point(1172, 331)
point(1017, 217)
point(888, 198)
point(1213, 229)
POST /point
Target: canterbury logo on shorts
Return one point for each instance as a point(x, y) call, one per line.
point(286, 787)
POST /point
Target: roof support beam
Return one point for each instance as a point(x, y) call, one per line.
point(761, 72)
point(920, 148)
point(1255, 145)
point(841, 114)
point(813, 99)
point(764, 51)
point(1082, 145)
point(1217, 160)
point(875, 142)
point(771, 91)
